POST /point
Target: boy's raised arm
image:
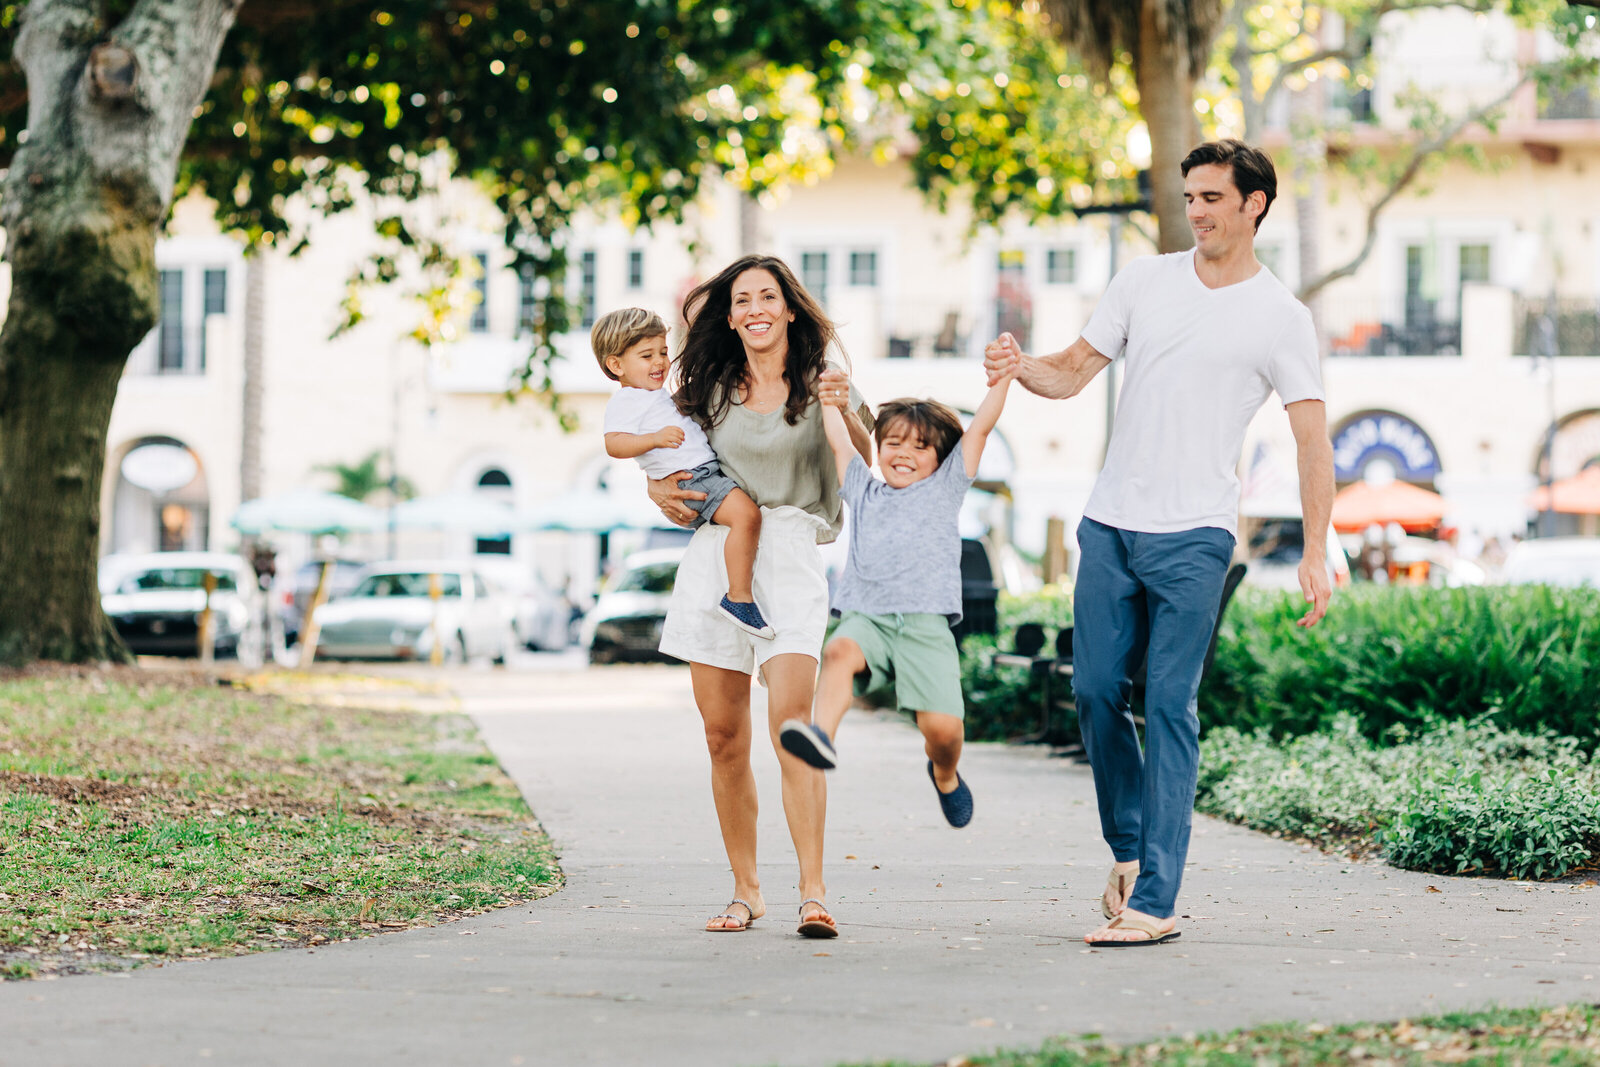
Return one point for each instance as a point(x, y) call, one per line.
point(630, 445)
point(839, 441)
point(983, 421)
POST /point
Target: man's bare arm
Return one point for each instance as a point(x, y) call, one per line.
point(1056, 376)
point(1314, 459)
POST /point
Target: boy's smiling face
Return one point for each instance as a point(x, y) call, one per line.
point(904, 457)
point(643, 364)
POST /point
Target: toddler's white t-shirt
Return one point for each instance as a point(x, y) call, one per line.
point(642, 411)
point(1198, 364)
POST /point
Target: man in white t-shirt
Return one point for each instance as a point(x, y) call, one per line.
point(1205, 336)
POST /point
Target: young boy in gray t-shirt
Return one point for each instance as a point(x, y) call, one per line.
point(901, 590)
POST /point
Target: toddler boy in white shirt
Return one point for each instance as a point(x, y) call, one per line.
point(643, 423)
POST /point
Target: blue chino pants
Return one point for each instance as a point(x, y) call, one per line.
point(1156, 593)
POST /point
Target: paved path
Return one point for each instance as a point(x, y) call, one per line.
point(953, 942)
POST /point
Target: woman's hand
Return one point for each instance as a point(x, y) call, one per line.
point(666, 494)
point(833, 388)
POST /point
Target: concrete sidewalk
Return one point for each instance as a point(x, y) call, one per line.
point(952, 942)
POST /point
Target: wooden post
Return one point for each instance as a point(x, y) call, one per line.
point(1055, 550)
point(308, 625)
point(436, 652)
point(208, 622)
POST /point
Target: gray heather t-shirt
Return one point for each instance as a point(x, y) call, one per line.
point(905, 544)
point(777, 464)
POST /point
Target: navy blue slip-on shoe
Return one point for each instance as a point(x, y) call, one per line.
point(956, 804)
point(746, 616)
point(808, 742)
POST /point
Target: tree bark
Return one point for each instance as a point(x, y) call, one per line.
point(1166, 100)
point(109, 107)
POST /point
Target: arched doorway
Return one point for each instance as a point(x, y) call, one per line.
point(1574, 446)
point(161, 503)
point(495, 484)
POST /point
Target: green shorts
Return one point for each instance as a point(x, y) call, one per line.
point(915, 654)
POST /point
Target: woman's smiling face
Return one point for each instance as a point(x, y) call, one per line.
point(759, 313)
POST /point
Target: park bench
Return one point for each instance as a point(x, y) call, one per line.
point(1058, 719)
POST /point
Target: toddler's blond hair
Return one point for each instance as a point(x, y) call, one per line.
point(617, 331)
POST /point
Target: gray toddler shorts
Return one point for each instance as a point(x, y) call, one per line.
point(708, 479)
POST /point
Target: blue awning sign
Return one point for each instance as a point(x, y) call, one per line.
point(1383, 434)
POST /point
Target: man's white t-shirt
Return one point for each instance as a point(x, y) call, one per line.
point(642, 411)
point(1198, 364)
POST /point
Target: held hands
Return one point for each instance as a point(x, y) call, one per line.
point(1314, 585)
point(669, 437)
point(1002, 359)
point(833, 389)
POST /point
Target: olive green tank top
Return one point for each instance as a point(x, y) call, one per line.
point(778, 464)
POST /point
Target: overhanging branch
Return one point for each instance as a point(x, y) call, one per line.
point(1408, 174)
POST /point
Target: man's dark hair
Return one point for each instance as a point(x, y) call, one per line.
point(1252, 168)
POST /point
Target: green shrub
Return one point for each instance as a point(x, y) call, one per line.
point(1003, 702)
point(1405, 656)
point(1457, 797)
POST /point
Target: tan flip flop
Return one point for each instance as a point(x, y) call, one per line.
point(1117, 883)
point(1153, 934)
point(821, 926)
point(744, 924)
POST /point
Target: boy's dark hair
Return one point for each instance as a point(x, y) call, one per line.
point(933, 422)
point(1252, 168)
point(617, 331)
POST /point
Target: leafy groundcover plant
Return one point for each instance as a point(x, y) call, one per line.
point(1456, 798)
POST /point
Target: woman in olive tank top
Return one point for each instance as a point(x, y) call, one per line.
point(753, 372)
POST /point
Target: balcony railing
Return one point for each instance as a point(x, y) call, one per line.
point(1389, 328)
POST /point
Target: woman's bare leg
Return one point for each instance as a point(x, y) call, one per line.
point(723, 697)
point(791, 677)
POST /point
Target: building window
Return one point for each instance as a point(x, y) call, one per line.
point(1013, 302)
point(480, 286)
point(1474, 263)
point(814, 274)
point(527, 305)
point(864, 268)
point(1061, 266)
point(636, 268)
point(496, 483)
point(586, 289)
point(169, 353)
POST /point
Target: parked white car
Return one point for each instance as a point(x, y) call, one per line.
point(540, 616)
point(155, 600)
point(1566, 561)
point(625, 623)
point(391, 614)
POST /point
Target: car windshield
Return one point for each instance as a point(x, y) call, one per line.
point(177, 578)
point(653, 578)
point(406, 585)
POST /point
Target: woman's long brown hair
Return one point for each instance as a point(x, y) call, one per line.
point(712, 365)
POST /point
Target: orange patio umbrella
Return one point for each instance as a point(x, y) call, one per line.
point(1362, 504)
point(1578, 495)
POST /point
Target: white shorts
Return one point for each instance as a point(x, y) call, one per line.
point(790, 586)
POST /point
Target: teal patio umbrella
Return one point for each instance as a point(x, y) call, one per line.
point(308, 511)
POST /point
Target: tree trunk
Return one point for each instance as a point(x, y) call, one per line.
point(109, 108)
point(1308, 152)
point(1166, 100)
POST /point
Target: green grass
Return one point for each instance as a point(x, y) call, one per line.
point(1556, 1037)
point(146, 817)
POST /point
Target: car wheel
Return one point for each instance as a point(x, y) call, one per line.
point(602, 654)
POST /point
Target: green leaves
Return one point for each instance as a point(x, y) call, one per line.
point(1455, 798)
